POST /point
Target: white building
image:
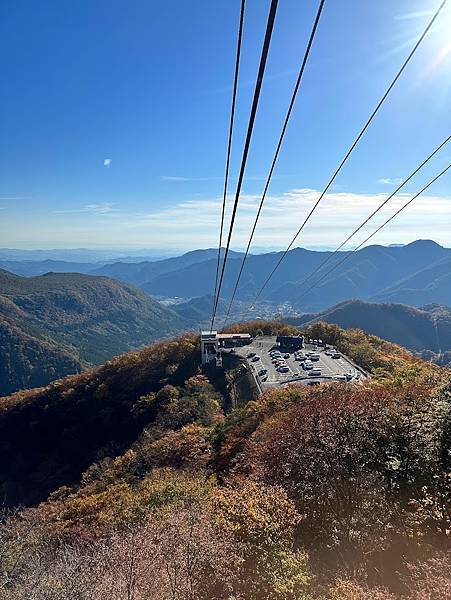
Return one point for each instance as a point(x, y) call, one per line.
point(211, 342)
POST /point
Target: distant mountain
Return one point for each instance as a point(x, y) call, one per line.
point(417, 273)
point(57, 323)
point(419, 329)
point(143, 274)
point(198, 310)
point(31, 268)
point(430, 285)
point(85, 255)
point(366, 274)
point(374, 272)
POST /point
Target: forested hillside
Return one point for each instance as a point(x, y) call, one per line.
point(54, 324)
point(339, 492)
point(426, 330)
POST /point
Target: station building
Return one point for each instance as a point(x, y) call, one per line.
point(290, 342)
point(211, 343)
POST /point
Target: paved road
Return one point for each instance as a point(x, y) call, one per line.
point(329, 366)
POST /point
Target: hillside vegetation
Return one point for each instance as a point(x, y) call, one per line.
point(55, 324)
point(426, 330)
point(151, 490)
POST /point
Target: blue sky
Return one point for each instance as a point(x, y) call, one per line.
point(114, 120)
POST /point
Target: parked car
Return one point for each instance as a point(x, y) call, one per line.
point(250, 354)
point(308, 366)
point(336, 355)
point(315, 373)
point(339, 378)
point(286, 355)
point(283, 369)
point(263, 372)
point(255, 358)
point(314, 357)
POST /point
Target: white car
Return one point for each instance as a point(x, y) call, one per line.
point(315, 373)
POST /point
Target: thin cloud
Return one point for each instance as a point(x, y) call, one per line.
point(246, 83)
point(107, 162)
point(194, 222)
point(177, 178)
point(182, 179)
point(99, 209)
point(391, 180)
point(13, 198)
point(413, 15)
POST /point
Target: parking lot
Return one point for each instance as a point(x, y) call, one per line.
point(330, 367)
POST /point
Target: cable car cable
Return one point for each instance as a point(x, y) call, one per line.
point(354, 144)
point(279, 145)
point(347, 256)
point(258, 85)
point(229, 143)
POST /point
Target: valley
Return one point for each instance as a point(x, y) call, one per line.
point(58, 323)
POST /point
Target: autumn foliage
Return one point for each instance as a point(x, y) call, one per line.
point(341, 492)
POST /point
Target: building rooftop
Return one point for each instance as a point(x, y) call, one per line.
point(234, 336)
point(208, 335)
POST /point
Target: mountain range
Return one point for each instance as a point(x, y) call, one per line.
point(58, 323)
point(417, 274)
point(53, 324)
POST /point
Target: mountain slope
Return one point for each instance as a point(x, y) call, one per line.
point(107, 407)
point(30, 361)
point(429, 285)
point(144, 272)
point(135, 475)
point(365, 274)
point(417, 329)
point(198, 310)
point(89, 319)
point(53, 434)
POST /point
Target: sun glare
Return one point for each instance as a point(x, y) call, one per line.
point(439, 53)
point(443, 32)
